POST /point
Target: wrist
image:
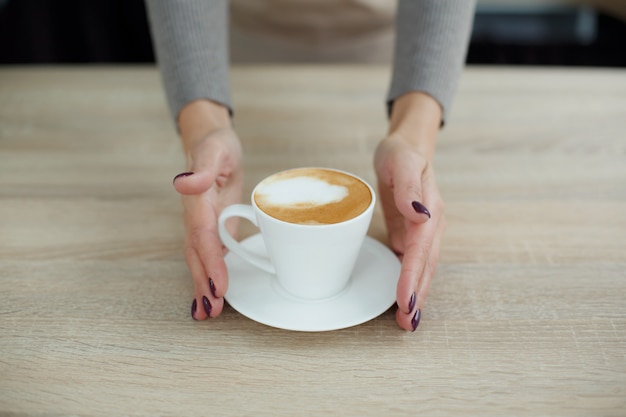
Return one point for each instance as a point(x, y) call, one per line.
point(199, 118)
point(416, 118)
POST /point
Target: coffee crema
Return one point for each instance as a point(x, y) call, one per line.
point(312, 196)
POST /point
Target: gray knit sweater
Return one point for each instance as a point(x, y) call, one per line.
point(191, 43)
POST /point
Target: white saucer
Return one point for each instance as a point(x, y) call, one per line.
point(370, 292)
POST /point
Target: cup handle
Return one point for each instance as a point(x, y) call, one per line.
point(247, 212)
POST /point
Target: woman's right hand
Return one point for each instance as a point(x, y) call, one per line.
point(212, 181)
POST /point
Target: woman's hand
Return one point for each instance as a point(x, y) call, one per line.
point(214, 180)
point(412, 205)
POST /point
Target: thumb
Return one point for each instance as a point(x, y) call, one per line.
point(406, 177)
point(203, 174)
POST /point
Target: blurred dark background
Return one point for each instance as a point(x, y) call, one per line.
point(117, 31)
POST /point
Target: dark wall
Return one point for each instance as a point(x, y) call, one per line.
point(112, 31)
point(73, 31)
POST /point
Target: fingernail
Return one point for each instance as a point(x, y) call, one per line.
point(194, 307)
point(212, 287)
point(420, 208)
point(412, 302)
point(207, 305)
point(415, 321)
point(184, 174)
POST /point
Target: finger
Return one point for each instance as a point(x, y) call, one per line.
point(194, 182)
point(423, 286)
point(411, 320)
point(212, 256)
point(408, 322)
point(417, 248)
point(200, 283)
point(419, 241)
point(408, 318)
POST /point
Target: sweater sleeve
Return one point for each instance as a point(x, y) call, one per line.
point(190, 39)
point(431, 44)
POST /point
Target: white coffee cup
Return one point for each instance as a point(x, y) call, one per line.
point(310, 258)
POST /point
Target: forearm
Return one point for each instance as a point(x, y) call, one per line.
point(191, 43)
point(431, 44)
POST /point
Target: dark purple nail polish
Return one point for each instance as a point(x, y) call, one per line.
point(184, 174)
point(419, 208)
point(415, 321)
point(207, 305)
point(194, 307)
point(412, 302)
point(212, 287)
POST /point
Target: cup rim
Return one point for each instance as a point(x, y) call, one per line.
point(364, 213)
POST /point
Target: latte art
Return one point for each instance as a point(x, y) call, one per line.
point(312, 196)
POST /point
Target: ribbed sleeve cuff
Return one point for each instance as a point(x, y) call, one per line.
point(191, 44)
point(431, 45)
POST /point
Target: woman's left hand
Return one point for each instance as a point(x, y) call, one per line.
point(411, 202)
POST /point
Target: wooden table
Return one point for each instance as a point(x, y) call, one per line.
point(526, 316)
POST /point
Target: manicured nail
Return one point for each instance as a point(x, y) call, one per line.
point(194, 307)
point(419, 208)
point(184, 174)
point(412, 302)
point(415, 321)
point(207, 305)
point(212, 287)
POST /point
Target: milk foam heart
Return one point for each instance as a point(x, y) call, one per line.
point(292, 192)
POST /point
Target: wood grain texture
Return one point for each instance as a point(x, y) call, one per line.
point(526, 317)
